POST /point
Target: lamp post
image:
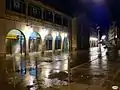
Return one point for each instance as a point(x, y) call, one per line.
point(99, 46)
point(98, 31)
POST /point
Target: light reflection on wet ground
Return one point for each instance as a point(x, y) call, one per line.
point(37, 69)
point(101, 71)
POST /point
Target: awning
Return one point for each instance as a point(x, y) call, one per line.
point(11, 37)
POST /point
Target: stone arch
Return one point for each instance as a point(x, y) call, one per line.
point(58, 41)
point(15, 42)
point(34, 42)
point(48, 42)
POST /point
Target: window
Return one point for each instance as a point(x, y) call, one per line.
point(34, 11)
point(16, 5)
point(48, 15)
point(65, 21)
point(58, 19)
point(8, 4)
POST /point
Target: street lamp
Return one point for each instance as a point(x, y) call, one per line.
point(98, 30)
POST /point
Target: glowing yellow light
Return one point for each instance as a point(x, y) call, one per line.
point(54, 34)
point(43, 33)
point(57, 33)
point(11, 37)
point(66, 34)
point(62, 35)
point(27, 31)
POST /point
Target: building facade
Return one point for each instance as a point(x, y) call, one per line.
point(93, 40)
point(29, 26)
point(112, 34)
point(83, 31)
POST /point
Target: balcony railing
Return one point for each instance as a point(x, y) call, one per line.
point(20, 6)
point(34, 11)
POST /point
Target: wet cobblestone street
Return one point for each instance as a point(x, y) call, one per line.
point(36, 72)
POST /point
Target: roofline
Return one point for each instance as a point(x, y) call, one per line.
point(52, 9)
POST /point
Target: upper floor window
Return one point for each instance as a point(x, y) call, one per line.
point(34, 11)
point(48, 15)
point(65, 21)
point(8, 4)
point(58, 19)
point(16, 5)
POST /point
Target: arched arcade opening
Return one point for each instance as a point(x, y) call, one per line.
point(48, 42)
point(65, 44)
point(15, 42)
point(58, 41)
point(34, 42)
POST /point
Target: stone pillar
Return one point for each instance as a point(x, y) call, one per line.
point(42, 46)
point(27, 30)
point(74, 34)
point(53, 44)
point(27, 45)
point(62, 45)
point(62, 42)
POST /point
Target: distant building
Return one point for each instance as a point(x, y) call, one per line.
point(112, 34)
point(83, 35)
point(93, 40)
point(82, 32)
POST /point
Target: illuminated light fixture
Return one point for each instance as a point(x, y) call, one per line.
point(54, 34)
point(66, 34)
point(116, 36)
point(62, 35)
point(57, 33)
point(27, 31)
point(103, 37)
point(93, 39)
point(43, 33)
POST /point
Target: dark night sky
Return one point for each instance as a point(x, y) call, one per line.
point(98, 11)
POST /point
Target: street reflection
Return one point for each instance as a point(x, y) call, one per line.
point(29, 79)
point(98, 67)
point(95, 70)
point(36, 69)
